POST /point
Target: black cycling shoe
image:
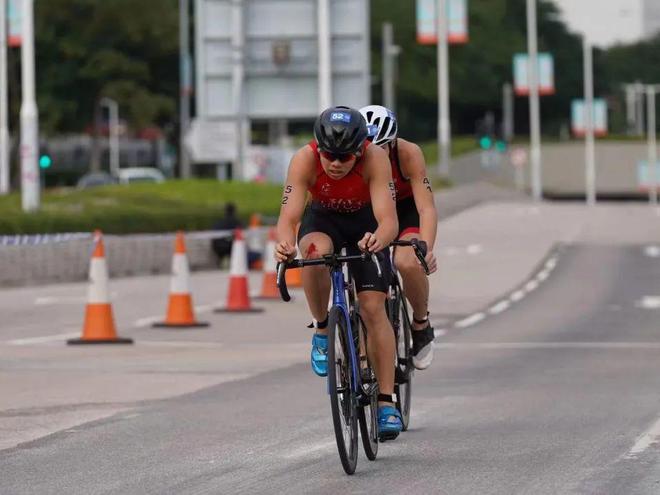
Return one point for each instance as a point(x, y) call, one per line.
point(422, 350)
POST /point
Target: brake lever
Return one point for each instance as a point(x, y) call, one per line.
point(374, 258)
point(420, 248)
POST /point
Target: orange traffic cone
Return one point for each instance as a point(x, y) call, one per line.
point(238, 297)
point(180, 312)
point(99, 326)
point(269, 288)
point(255, 240)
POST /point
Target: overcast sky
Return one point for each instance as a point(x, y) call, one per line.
point(605, 21)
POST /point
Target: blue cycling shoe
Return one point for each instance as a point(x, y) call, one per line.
point(320, 354)
point(390, 423)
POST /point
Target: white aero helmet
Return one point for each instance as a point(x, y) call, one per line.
point(381, 124)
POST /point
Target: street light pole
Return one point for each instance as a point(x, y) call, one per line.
point(30, 193)
point(534, 105)
point(589, 145)
point(444, 129)
point(185, 86)
point(113, 110)
point(4, 102)
point(388, 66)
point(652, 147)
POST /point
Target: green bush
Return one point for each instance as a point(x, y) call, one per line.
point(120, 209)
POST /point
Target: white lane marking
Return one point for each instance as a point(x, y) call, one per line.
point(44, 339)
point(309, 449)
point(550, 345)
point(499, 307)
point(649, 438)
point(181, 343)
point(531, 285)
point(52, 300)
point(649, 302)
point(147, 321)
point(450, 251)
point(652, 251)
point(440, 332)
point(517, 296)
point(551, 263)
point(543, 275)
point(474, 249)
point(470, 320)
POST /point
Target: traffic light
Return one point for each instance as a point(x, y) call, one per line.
point(45, 161)
point(501, 144)
point(485, 131)
point(485, 142)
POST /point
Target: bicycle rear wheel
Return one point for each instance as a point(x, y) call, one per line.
point(343, 401)
point(404, 368)
point(368, 411)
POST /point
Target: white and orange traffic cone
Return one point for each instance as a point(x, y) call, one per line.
point(99, 325)
point(180, 312)
point(238, 297)
point(254, 240)
point(269, 288)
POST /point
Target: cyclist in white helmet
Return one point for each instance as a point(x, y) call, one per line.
point(417, 219)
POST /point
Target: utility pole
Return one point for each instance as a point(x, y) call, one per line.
point(534, 104)
point(589, 145)
point(325, 55)
point(639, 95)
point(113, 119)
point(30, 192)
point(185, 86)
point(238, 81)
point(652, 146)
point(444, 126)
point(507, 112)
point(388, 66)
point(4, 102)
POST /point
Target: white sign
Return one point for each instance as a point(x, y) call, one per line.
point(457, 13)
point(644, 175)
point(545, 73)
point(578, 125)
point(14, 17)
point(212, 141)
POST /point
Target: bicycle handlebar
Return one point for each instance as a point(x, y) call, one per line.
point(327, 260)
point(420, 249)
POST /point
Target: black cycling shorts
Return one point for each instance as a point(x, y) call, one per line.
point(345, 230)
point(406, 212)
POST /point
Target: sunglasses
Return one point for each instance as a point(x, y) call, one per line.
point(342, 157)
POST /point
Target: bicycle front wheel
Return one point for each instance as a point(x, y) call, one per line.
point(404, 367)
point(343, 401)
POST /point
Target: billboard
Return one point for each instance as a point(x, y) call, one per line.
point(545, 73)
point(14, 19)
point(457, 13)
point(279, 59)
point(578, 126)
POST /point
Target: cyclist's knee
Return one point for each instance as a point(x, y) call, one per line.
point(407, 263)
point(372, 306)
point(315, 245)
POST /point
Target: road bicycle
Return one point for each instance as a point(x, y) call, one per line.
point(352, 384)
point(400, 317)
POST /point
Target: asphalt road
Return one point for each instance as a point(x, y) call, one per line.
point(559, 392)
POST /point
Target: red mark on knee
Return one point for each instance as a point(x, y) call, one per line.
point(311, 251)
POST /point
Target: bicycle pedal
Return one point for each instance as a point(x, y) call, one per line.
point(385, 436)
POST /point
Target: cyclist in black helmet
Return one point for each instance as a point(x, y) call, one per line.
point(352, 206)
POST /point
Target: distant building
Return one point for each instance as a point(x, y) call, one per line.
point(608, 22)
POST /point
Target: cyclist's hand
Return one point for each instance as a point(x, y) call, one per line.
point(431, 261)
point(370, 243)
point(284, 251)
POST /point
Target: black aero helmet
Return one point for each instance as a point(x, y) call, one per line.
point(340, 130)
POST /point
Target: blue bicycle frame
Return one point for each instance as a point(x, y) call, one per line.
point(339, 300)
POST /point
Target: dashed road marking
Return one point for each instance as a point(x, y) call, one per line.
point(517, 295)
point(43, 339)
point(440, 332)
point(649, 438)
point(531, 285)
point(499, 307)
point(649, 302)
point(652, 251)
point(470, 320)
point(474, 249)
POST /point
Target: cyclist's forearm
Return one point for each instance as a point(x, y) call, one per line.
point(428, 227)
point(386, 231)
point(286, 231)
